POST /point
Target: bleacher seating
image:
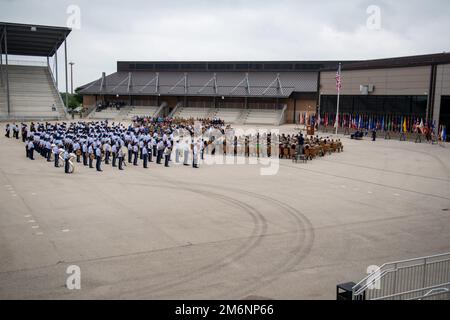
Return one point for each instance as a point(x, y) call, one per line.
point(109, 113)
point(232, 115)
point(142, 111)
point(195, 113)
point(263, 116)
point(32, 94)
point(229, 115)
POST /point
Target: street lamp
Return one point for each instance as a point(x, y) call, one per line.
point(71, 76)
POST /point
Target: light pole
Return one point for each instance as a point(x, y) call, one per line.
point(71, 76)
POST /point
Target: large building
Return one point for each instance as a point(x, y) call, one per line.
point(416, 87)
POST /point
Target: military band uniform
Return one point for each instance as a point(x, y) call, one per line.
point(145, 156)
point(98, 157)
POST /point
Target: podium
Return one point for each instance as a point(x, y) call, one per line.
point(310, 130)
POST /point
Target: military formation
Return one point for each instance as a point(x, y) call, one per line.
point(156, 140)
point(106, 144)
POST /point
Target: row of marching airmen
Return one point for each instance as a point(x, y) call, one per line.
point(101, 142)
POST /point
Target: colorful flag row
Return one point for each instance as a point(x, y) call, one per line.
point(388, 122)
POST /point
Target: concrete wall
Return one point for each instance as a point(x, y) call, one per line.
point(396, 81)
point(442, 88)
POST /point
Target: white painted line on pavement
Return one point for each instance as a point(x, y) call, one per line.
point(35, 227)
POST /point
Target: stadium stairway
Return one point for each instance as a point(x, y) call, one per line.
point(267, 117)
point(228, 115)
point(142, 111)
point(33, 94)
point(196, 113)
point(123, 114)
point(109, 114)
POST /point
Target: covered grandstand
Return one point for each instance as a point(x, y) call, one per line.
point(415, 89)
point(29, 89)
point(239, 92)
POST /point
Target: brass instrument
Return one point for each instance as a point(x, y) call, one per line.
point(124, 152)
point(78, 152)
point(91, 156)
point(61, 158)
point(71, 163)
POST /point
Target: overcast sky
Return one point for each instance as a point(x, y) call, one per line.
point(112, 30)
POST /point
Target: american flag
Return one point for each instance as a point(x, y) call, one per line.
point(338, 79)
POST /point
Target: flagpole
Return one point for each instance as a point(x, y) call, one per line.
point(338, 98)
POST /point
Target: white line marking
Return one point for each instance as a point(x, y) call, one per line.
point(65, 230)
point(31, 221)
point(28, 216)
point(369, 192)
point(39, 233)
point(33, 194)
point(35, 227)
point(396, 194)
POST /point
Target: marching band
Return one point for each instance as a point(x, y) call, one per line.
point(146, 138)
point(62, 143)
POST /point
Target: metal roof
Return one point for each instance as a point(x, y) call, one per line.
point(278, 79)
point(32, 40)
point(229, 84)
point(399, 62)
point(225, 66)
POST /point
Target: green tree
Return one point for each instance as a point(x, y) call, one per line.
point(74, 100)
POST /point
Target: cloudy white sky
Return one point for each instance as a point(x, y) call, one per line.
point(112, 30)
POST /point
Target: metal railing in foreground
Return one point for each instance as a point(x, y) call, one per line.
point(407, 279)
point(439, 292)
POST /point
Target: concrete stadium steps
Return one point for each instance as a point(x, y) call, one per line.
point(105, 114)
point(186, 113)
point(228, 115)
point(142, 111)
point(257, 116)
point(33, 93)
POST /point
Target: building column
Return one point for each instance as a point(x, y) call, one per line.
point(8, 100)
point(1, 60)
point(295, 112)
point(56, 69)
point(436, 107)
point(65, 69)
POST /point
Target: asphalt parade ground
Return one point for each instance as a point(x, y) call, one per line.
point(220, 231)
